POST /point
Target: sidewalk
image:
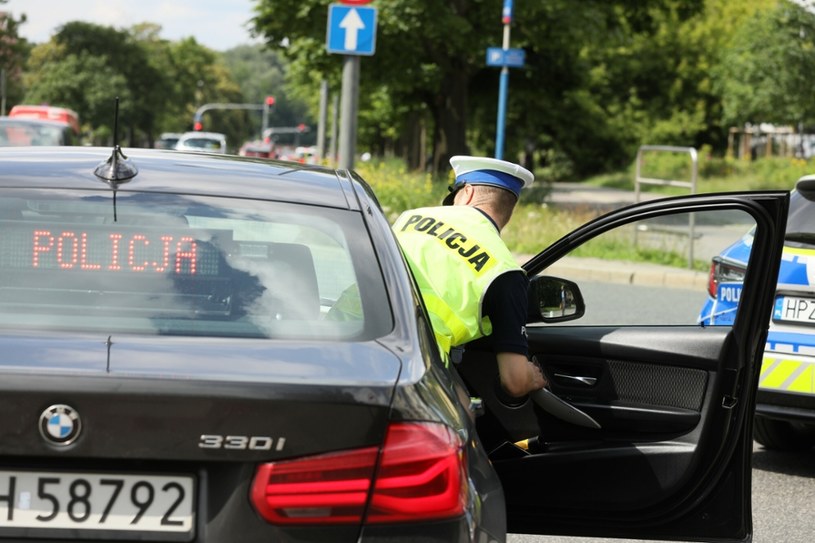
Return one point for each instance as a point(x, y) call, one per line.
point(601, 199)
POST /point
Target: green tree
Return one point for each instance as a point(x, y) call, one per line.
point(14, 51)
point(71, 70)
point(260, 72)
point(429, 69)
point(79, 81)
point(768, 72)
point(643, 76)
point(200, 76)
point(160, 84)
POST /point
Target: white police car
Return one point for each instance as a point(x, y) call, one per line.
point(785, 411)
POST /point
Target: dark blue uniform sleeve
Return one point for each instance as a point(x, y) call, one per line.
point(505, 303)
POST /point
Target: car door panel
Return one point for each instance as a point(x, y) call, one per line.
point(658, 390)
point(673, 401)
point(641, 396)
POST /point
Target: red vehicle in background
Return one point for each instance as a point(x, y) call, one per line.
point(48, 113)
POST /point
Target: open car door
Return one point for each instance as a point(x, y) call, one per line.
point(659, 446)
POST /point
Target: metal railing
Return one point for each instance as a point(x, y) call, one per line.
point(640, 180)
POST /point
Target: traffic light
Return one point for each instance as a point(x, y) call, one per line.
point(198, 126)
point(268, 103)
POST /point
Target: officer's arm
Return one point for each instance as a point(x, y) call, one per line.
point(518, 375)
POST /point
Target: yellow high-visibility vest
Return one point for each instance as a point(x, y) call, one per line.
point(455, 253)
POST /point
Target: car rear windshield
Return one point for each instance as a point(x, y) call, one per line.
point(100, 261)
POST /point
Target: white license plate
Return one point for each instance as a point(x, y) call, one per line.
point(794, 309)
point(97, 501)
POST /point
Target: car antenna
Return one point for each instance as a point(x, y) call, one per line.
point(118, 168)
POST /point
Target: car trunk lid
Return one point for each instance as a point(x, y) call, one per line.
point(195, 398)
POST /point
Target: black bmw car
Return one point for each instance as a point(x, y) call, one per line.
point(221, 349)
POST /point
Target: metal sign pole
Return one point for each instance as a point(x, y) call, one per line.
point(323, 120)
point(503, 89)
point(335, 127)
point(503, 84)
point(348, 111)
point(351, 31)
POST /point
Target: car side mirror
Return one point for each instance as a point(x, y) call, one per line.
point(552, 299)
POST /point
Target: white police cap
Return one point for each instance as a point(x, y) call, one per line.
point(474, 170)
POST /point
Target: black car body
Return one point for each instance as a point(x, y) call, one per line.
point(213, 349)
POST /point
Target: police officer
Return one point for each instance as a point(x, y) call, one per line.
point(468, 278)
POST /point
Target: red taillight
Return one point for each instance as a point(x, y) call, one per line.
point(711, 280)
point(420, 476)
point(723, 272)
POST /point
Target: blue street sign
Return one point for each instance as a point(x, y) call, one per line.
point(512, 58)
point(351, 30)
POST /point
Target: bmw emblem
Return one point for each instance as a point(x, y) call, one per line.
point(60, 424)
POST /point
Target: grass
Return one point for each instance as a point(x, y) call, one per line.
point(714, 174)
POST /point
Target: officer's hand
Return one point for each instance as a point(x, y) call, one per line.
point(537, 379)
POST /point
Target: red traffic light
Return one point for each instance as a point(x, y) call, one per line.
point(270, 100)
point(198, 126)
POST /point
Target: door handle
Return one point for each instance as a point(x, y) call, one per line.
point(582, 380)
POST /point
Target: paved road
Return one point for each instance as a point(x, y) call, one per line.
point(591, 198)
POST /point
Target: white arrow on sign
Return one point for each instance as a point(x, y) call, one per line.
point(352, 24)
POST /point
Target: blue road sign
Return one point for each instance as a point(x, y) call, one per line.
point(512, 58)
point(351, 30)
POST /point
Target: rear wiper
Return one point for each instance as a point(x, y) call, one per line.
point(801, 237)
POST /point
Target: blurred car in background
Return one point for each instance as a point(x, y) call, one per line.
point(47, 113)
point(302, 154)
point(785, 410)
point(167, 140)
point(209, 142)
point(24, 132)
point(258, 149)
point(306, 154)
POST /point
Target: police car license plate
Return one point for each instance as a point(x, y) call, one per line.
point(85, 502)
point(794, 309)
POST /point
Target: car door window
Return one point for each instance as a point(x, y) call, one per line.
point(678, 269)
